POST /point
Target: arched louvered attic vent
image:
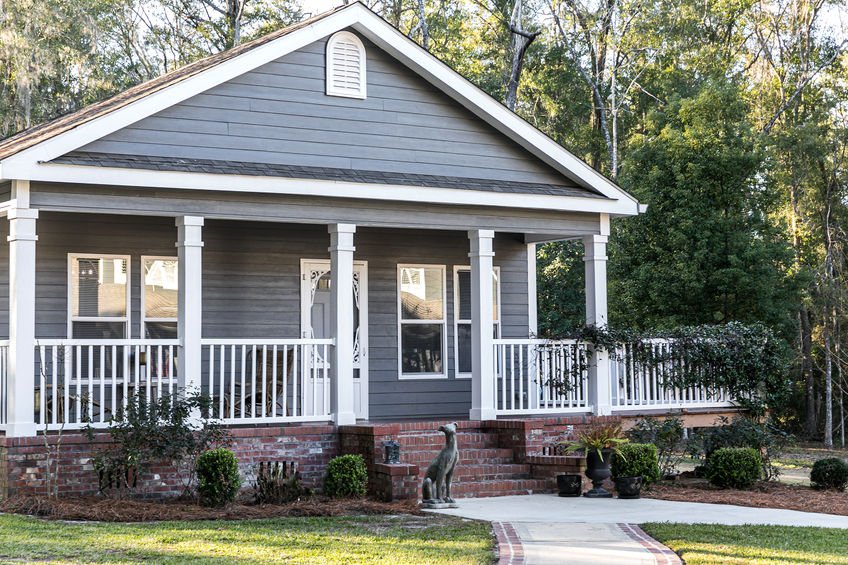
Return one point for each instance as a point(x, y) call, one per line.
point(345, 66)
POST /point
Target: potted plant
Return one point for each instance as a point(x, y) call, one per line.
point(635, 465)
point(598, 443)
point(569, 485)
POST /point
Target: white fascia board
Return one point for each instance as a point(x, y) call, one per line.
point(484, 106)
point(78, 174)
point(150, 104)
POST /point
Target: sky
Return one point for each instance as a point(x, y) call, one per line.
point(314, 7)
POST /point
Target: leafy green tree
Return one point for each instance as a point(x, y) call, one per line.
point(705, 251)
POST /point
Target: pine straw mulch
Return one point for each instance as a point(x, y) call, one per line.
point(137, 510)
point(764, 495)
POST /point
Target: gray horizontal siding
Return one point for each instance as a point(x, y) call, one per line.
point(251, 287)
point(280, 114)
point(296, 209)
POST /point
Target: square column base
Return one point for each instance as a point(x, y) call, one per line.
point(482, 414)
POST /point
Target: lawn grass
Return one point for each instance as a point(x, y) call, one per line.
point(349, 540)
point(700, 544)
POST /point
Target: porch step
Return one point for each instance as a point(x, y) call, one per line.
point(492, 456)
point(484, 472)
point(507, 487)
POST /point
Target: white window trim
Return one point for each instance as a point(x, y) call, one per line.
point(331, 68)
point(457, 320)
point(444, 321)
point(71, 318)
point(143, 310)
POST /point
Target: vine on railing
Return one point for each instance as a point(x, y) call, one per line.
point(747, 360)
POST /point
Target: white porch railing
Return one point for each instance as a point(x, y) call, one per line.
point(527, 372)
point(268, 380)
point(638, 385)
point(81, 382)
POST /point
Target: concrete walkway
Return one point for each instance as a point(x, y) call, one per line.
point(543, 529)
point(547, 508)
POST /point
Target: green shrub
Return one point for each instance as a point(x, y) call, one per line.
point(829, 473)
point(734, 467)
point(636, 460)
point(346, 477)
point(665, 434)
point(218, 477)
point(763, 437)
point(147, 432)
point(278, 484)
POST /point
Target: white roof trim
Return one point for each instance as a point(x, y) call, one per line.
point(80, 174)
point(24, 164)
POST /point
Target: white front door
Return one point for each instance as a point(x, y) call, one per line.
point(315, 319)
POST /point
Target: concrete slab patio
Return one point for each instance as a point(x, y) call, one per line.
point(548, 508)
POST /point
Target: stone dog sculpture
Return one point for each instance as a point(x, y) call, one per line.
point(436, 490)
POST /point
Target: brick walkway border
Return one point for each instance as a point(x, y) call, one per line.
point(662, 554)
point(510, 550)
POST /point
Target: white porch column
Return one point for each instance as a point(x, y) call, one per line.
point(190, 307)
point(595, 262)
point(341, 316)
point(532, 292)
point(21, 377)
point(482, 316)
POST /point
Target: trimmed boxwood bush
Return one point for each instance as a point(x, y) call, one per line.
point(636, 460)
point(218, 477)
point(829, 473)
point(734, 467)
point(346, 477)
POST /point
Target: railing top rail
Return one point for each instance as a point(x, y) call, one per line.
point(106, 342)
point(266, 341)
point(4, 342)
point(536, 341)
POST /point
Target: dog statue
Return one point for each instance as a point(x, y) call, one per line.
point(437, 482)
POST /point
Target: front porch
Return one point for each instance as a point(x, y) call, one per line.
point(183, 319)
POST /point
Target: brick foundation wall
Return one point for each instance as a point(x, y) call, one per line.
point(23, 461)
point(509, 442)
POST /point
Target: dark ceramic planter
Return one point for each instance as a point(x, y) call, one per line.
point(569, 485)
point(628, 487)
point(598, 470)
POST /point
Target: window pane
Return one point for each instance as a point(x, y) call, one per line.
point(463, 354)
point(421, 348)
point(99, 287)
point(160, 288)
point(421, 293)
point(464, 294)
point(160, 330)
point(99, 330)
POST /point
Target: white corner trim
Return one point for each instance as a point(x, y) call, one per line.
point(384, 36)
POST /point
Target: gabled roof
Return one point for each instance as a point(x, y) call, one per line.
point(34, 154)
point(42, 132)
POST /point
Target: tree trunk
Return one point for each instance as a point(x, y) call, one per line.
point(810, 422)
point(422, 25)
point(828, 381)
point(521, 40)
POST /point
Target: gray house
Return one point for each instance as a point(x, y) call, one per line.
point(326, 224)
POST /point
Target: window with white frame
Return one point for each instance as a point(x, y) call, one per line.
point(421, 320)
point(159, 297)
point(99, 296)
point(345, 66)
point(462, 316)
